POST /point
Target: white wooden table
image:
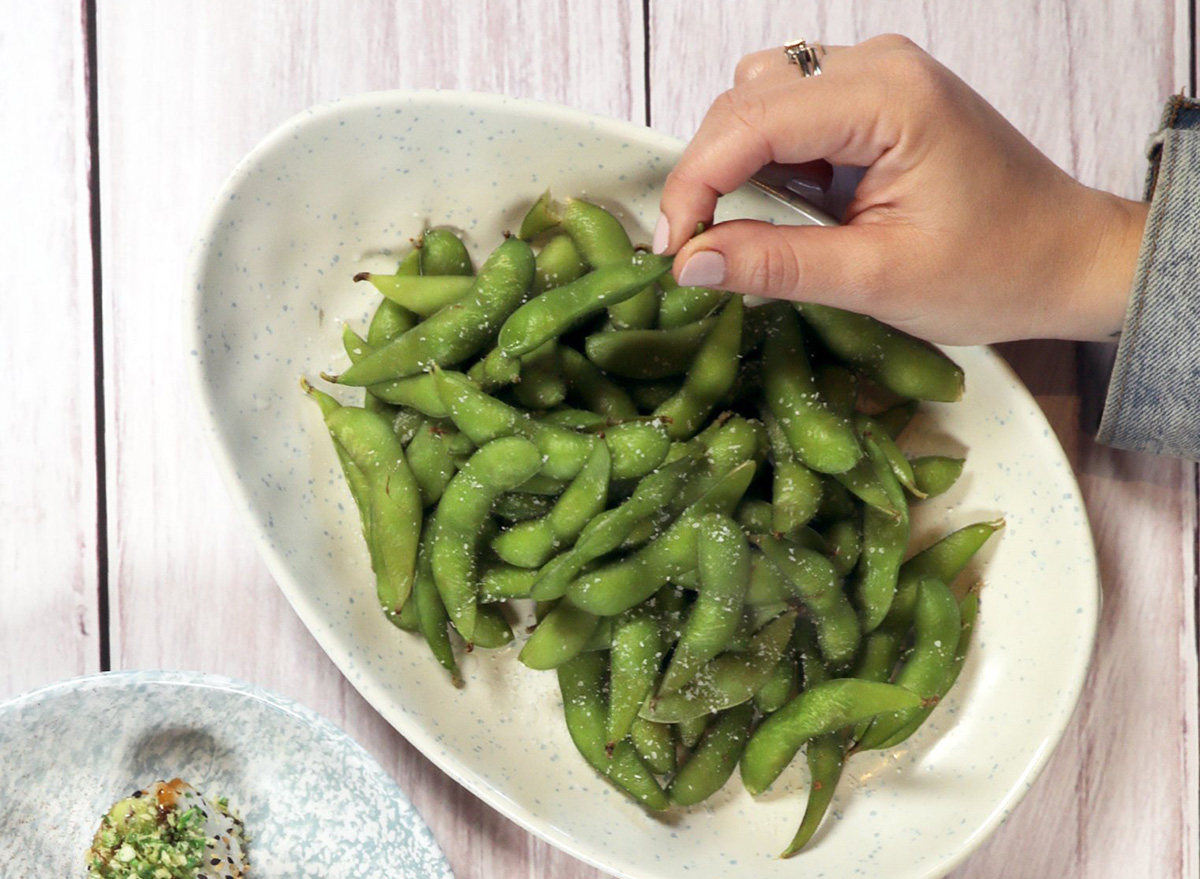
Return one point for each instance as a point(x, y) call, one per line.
point(120, 118)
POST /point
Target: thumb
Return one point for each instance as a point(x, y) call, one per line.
point(847, 266)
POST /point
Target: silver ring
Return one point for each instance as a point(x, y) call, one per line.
point(804, 56)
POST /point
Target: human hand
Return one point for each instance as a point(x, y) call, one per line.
point(960, 231)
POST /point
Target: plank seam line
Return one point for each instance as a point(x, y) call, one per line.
point(646, 58)
point(91, 69)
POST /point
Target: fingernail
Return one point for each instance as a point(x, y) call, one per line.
point(704, 268)
point(662, 234)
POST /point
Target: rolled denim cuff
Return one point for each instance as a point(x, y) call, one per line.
point(1153, 401)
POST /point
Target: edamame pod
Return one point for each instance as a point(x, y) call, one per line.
point(713, 761)
point(723, 562)
point(421, 294)
point(594, 389)
point(558, 263)
point(822, 440)
point(443, 253)
point(602, 241)
point(903, 364)
point(550, 315)
point(559, 637)
point(826, 756)
point(637, 651)
point(884, 540)
point(531, 544)
point(454, 334)
point(935, 474)
point(581, 682)
point(709, 377)
point(825, 708)
point(648, 354)
point(497, 467)
point(730, 679)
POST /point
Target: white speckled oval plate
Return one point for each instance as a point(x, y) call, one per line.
point(342, 189)
point(315, 804)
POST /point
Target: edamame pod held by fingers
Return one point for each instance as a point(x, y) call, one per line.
point(825, 708)
point(903, 364)
point(497, 467)
point(455, 333)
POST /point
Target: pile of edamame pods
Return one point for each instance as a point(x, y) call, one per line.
point(713, 528)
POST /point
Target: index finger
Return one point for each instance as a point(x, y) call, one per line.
point(844, 116)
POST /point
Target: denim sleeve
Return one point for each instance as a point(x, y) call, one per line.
point(1153, 401)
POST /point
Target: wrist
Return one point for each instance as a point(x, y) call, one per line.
point(1109, 240)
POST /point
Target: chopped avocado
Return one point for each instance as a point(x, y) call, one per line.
point(169, 831)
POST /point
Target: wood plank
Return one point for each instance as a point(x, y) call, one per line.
point(186, 89)
point(49, 585)
point(1100, 809)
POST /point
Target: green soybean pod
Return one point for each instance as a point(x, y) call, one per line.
point(455, 333)
point(843, 541)
point(531, 544)
point(558, 263)
point(937, 625)
point(423, 295)
point(903, 364)
point(637, 651)
point(559, 637)
point(554, 312)
point(900, 466)
point(494, 370)
point(648, 354)
point(492, 629)
point(684, 305)
point(540, 384)
point(826, 756)
point(432, 618)
point(608, 530)
point(690, 731)
point(755, 516)
point(581, 682)
point(714, 759)
point(444, 253)
point(522, 506)
point(884, 541)
point(649, 395)
point(723, 563)
point(602, 240)
point(968, 610)
point(500, 582)
point(539, 219)
point(415, 392)
point(709, 378)
point(395, 520)
point(767, 585)
point(896, 418)
point(796, 491)
point(637, 448)
point(731, 679)
point(574, 419)
point(431, 462)
point(655, 744)
point(822, 440)
point(935, 474)
point(825, 708)
point(593, 388)
point(780, 687)
point(484, 418)
point(618, 586)
point(497, 467)
point(816, 584)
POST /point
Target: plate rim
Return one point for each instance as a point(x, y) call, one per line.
point(412, 731)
